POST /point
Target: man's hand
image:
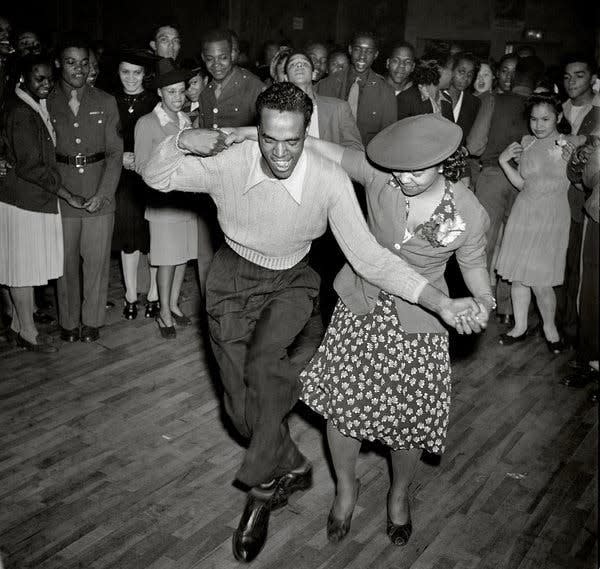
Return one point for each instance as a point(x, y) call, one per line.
point(465, 314)
point(129, 160)
point(203, 142)
point(78, 202)
point(4, 167)
point(239, 134)
point(95, 203)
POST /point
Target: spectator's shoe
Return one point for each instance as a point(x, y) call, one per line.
point(130, 310)
point(251, 533)
point(43, 346)
point(40, 317)
point(556, 347)
point(182, 320)
point(580, 379)
point(507, 319)
point(507, 340)
point(89, 334)
point(69, 335)
point(152, 309)
point(290, 483)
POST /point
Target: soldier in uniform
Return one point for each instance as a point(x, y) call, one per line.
point(89, 152)
point(229, 99)
point(370, 97)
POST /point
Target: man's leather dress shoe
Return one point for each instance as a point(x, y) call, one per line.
point(69, 335)
point(89, 334)
point(251, 533)
point(288, 484)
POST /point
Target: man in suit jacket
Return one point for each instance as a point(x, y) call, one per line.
point(584, 118)
point(424, 95)
point(331, 120)
point(370, 97)
point(464, 104)
point(89, 152)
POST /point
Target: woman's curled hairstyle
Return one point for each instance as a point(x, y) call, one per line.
point(455, 166)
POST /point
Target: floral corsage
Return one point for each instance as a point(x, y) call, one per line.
point(445, 224)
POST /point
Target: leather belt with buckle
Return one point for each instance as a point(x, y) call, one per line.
point(80, 160)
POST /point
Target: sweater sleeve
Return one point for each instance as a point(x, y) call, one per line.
point(168, 169)
point(29, 164)
point(371, 261)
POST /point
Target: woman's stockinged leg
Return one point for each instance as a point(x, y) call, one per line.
point(546, 301)
point(344, 453)
point(178, 277)
point(404, 464)
point(164, 280)
point(23, 303)
point(130, 262)
point(521, 297)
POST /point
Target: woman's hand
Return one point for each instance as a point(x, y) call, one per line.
point(512, 152)
point(77, 202)
point(129, 160)
point(465, 314)
point(4, 167)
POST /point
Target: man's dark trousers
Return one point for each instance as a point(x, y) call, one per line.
point(256, 316)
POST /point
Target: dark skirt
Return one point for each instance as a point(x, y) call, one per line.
point(132, 231)
point(372, 380)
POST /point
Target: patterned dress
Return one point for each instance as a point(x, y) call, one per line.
point(382, 371)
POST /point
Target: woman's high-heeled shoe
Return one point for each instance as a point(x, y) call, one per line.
point(338, 529)
point(556, 347)
point(130, 310)
point(167, 332)
point(507, 340)
point(152, 309)
point(399, 534)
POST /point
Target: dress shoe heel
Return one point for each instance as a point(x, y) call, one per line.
point(251, 533)
point(338, 529)
point(130, 310)
point(152, 309)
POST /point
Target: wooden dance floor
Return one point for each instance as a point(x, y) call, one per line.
point(115, 455)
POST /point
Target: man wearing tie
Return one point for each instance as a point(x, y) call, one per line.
point(371, 99)
point(89, 152)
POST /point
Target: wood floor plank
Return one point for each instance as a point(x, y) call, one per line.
point(115, 455)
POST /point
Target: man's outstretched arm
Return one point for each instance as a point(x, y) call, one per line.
point(175, 164)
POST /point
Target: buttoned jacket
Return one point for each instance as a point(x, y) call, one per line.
point(236, 105)
point(376, 104)
point(95, 129)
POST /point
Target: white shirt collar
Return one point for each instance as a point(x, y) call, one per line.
point(313, 126)
point(293, 184)
point(164, 118)
point(456, 110)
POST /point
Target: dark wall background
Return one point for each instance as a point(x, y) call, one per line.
point(567, 24)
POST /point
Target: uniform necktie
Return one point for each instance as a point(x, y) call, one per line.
point(353, 97)
point(218, 89)
point(74, 102)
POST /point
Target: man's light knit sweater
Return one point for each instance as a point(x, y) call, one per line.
point(264, 223)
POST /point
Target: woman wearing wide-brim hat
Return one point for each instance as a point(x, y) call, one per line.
point(383, 371)
point(173, 223)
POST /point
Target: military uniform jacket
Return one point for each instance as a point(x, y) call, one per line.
point(94, 129)
point(377, 106)
point(236, 105)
